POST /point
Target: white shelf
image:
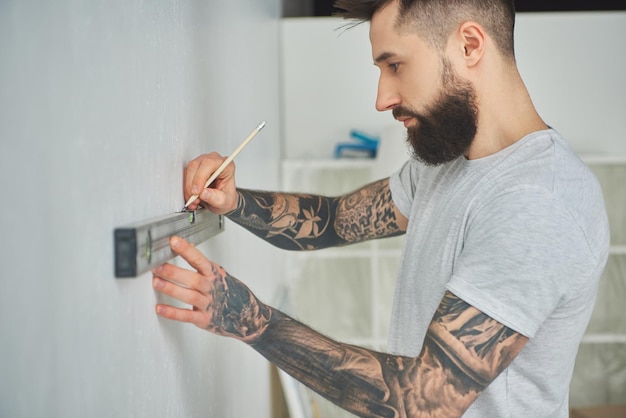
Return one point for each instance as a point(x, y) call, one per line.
point(317, 163)
point(604, 339)
point(617, 250)
point(603, 159)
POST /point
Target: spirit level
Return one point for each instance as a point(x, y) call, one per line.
point(141, 246)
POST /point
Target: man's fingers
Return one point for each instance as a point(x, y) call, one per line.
point(198, 172)
point(189, 296)
point(190, 287)
point(201, 171)
point(206, 168)
point(188, 278)
point(188, 176)
point(193, 256)
point(198, 318)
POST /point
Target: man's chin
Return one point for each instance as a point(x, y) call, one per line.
point(429, 158)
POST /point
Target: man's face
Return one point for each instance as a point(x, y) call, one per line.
point(446, 128)
point(437, 107)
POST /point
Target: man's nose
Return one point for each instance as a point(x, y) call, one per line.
point(386, 98)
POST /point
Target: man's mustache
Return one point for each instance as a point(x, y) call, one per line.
point(399, 112)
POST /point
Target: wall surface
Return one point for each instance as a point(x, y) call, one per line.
point(576, 75)
point(571, 63)
point(102, 104)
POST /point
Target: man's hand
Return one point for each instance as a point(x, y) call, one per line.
point(221, 196)
point(220, 303)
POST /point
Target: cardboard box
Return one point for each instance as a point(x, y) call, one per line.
point(608, 411)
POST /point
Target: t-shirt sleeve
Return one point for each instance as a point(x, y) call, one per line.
point(523, 251)
point(402, 188)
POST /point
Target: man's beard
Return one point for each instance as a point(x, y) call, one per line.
point(447, 128)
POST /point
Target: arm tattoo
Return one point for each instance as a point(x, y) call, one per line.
point(308, 222)
point(477, 345)
point(367, 213)
point(464, 350)
point(235, 311)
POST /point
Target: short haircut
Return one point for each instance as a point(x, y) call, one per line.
point(434, 20)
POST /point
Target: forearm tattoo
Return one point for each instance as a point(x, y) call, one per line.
point(308, 222)
point(464, 350)
point(235, 311)
point(367, 213)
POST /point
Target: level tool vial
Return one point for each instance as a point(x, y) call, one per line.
point(140, 247)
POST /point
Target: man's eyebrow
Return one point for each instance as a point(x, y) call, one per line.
point(384, 57)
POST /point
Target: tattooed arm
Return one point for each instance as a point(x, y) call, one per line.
point(463, 352)
point(308, 222)
point(295, 221)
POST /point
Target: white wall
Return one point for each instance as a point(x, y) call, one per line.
point(572, 64)
point(575, 70)
point(329, 85)
point(102, 103)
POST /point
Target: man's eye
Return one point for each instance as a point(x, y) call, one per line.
point(394, 67)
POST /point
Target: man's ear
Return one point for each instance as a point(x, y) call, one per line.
point(472, 38)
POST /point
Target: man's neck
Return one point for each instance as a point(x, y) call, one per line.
point(506, 114)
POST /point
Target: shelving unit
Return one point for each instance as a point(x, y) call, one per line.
point(356, 281)
point(600, 372)
point(347, 293)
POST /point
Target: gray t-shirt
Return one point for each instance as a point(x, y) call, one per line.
point(522, 235)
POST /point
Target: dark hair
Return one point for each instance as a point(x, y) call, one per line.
point(434, 20)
